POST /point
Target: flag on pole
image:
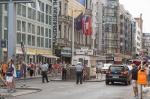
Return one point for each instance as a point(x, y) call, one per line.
point(88, 25)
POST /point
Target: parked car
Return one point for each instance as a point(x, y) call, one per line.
point(118, 73)
point(105, 67)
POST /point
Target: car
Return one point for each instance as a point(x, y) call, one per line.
point(118, 73)
point(105, 67)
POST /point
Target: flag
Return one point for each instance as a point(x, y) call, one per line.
point(88, 25)
point(78, 22)
point(23, 49)
point(84, 71)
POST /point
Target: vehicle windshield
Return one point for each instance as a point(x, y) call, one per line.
point(116, 68)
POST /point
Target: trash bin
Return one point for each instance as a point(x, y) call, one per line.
point(18, 72)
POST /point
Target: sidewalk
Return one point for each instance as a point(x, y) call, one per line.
point(20, 91)
point(97, 79)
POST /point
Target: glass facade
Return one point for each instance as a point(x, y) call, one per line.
point(34, 25)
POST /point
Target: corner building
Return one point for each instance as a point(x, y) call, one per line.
point(34, 29)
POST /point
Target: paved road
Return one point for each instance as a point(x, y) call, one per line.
point(69, 90)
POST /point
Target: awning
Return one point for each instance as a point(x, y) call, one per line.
point(50, 56)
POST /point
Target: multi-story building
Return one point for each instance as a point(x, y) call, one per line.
point(146, 44)
point(34, 29)
point(137, 38)
point(111, 26)
point(125, 31)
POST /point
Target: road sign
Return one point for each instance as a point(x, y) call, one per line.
point(4, 43)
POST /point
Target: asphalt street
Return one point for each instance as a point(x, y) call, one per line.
point(70, 90)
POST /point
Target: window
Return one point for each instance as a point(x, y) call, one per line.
point(59, 8)
point(23, 26)
point(49, 33)
point(18, 25)
point(42, 17)
point(6, 22)
point(50, 20)
point(38, 30)
point(38, 16)
point(24, 38)
point(19, 9)
point(29, 12)
point(50, 43)
point(29, 27)
point(42, 31)
point(33, 29)
point(18, 38)
point(46, 43)
point(34, 15)
point(38, 41)
point(46, 32)
point(29, 39)
point(23, 10)
point(46, 19)
point(50, 10)
point(42, 42)
point(5, 7)
point(33, 40)
point(5, 34)
point(42, 6)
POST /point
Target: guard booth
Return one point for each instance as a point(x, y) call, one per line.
point(89, 61)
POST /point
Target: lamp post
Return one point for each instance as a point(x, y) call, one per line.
point(72, 36)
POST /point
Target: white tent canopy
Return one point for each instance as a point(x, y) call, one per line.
point(50, 56)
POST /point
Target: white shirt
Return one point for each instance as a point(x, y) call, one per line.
point(14, 75)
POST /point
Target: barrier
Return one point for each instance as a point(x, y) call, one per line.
point(142, 76)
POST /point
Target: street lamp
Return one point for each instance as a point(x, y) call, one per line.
point(72, 36)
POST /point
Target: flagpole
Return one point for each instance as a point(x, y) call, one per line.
point(72, 36)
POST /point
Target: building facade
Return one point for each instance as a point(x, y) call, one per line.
point(34, 29)
point(146, 44)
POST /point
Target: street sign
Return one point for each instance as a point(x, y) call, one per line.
point(4, 43)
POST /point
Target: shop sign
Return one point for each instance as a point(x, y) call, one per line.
point(117, 58)
point(40, 52)
point(109, 58)
point(66, 51)
point(86, 52)
point(48, 52)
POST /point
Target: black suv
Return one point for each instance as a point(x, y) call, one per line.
point(118, 73)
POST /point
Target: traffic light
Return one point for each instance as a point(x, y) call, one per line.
point(4, 43)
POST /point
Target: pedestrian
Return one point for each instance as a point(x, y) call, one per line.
point(14, 76)
point(148, 74)
point(56, 70)
point(64, 71)
point(133, 79)
point(79, 69)
point(50, 67)
point(4, 68)
point(9, 76)
point(31, 69)
point(44, 69)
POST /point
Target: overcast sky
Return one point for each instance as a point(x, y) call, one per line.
point(136, 7)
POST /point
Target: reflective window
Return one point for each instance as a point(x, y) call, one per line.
point(50, 33)
point(29, 39)
point(23, 10)
point(38, 41)
point(5, 34)
point(29, 27)
point(38, 30)
point(24, 38)
point(6, 22)
point(46, 43)
point(50, 43)
point(33, 29)
point(42, 42)
point(42, 31)
point(46, 32)
point(29, 12)
point(19, 9)
point(33, 40)
point(23, 26)
point(18, 25)
point(18, 38)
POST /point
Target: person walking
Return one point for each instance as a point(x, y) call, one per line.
point(133, 80)
point(64, 71)
point(9, 76)
point(56, 70)
point(79, 69)
point(148, 74)
point(14, 76)
point(31, 69)
point(44, 69)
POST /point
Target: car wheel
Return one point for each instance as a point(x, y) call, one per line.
point(107, 82)
point(112, 82)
